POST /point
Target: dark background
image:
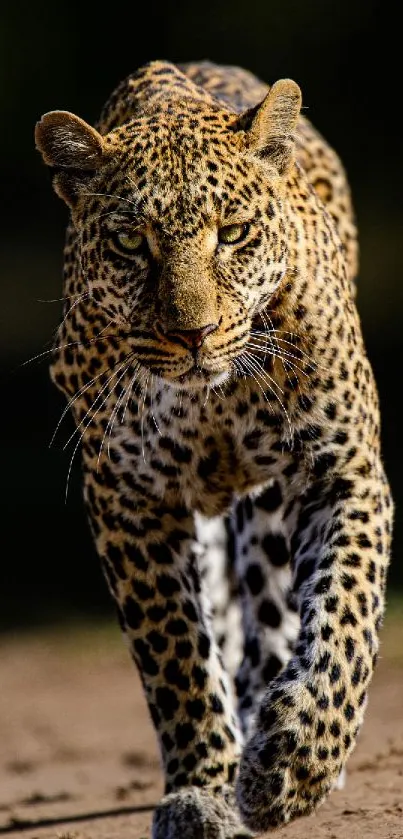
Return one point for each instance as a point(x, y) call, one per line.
point(346, 57)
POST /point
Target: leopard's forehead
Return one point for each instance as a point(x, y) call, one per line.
point(199, 129)
point(192, 160)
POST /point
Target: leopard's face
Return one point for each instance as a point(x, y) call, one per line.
point(188, 234)
point(180, 223)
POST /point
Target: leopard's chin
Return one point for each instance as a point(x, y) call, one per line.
point(198, 378)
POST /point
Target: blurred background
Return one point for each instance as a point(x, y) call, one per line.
point(346, 57)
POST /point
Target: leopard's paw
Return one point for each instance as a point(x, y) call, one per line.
point(193, 813)
point(305, 730)
point(273, 788)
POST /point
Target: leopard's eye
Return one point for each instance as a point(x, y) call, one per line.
point(129, 243)
point(231, 234)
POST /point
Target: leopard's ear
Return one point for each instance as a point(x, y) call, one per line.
point(72, 148)
point(271, 125)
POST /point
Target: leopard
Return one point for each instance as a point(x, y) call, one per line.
point(228, 423)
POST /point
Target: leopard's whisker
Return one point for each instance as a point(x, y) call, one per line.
point(277, 333)
point(101, 333)
point(275, 349)
point(267, 379)
point(73, 306)
point(61, 299)
point(78, 393)
point(87, 295)
point(113, 415)
point(82, 434)
point(260, 336)
point(276, 340)
point(207, 396)
point(291, 366)
point(260, 367)
point(112, 213)
point(266, 326)
point(129, 389)
point(99, 394)
point(285, 358)
point(109, 195)
point(221, 390)
point(244, 365)
point(214, 390)
point(239, 370)
point(142, 416)
point(152, 386)
point(82, 344)
point(66, 492)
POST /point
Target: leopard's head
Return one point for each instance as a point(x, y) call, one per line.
point(180, 221)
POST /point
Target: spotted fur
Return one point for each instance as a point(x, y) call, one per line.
point(212, 356)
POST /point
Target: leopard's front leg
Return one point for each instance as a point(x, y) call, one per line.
point(311, 713)
point(146, 551)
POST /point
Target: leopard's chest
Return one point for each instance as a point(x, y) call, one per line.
point(205, 451)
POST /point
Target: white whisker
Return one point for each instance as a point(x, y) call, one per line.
point(142, 417)
point(82, 344)
point(244, 365)
point(263, 371)
point(78, 393)
point(129, 390)
point(99, 394)
point(152, 384)
point(284, 357)
point(61, 299)
point(113, 415)
point(108, 195)
point(82, 434)
point(256, 367)
point(73, 306)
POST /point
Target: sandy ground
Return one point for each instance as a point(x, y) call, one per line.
point(79, 759)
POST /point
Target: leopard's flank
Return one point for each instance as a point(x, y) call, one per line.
point(213, 360)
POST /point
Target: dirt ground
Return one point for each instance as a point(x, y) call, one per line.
point(79, 759)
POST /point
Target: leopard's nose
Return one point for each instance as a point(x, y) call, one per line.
point(191, 338)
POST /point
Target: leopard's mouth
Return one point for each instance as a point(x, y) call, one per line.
point(192, 368)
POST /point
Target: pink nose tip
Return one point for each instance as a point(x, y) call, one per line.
point(192, 338)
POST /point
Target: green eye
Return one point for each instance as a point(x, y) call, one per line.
point(128, 242)
point(233, 233)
